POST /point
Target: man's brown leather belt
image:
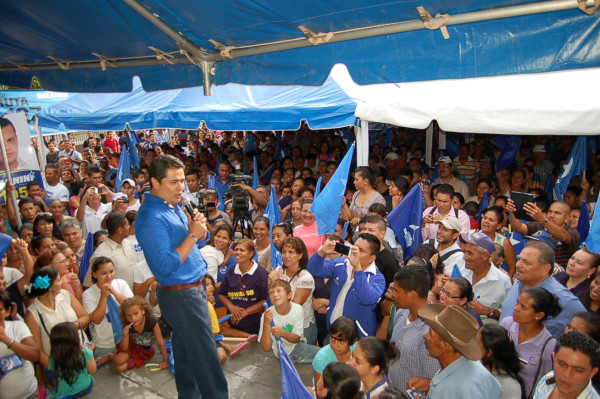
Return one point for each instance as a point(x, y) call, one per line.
point(179, 287)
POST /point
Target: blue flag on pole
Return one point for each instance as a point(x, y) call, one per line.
point(124, 170)
point(583, 225)
point(255, 182)
point(405, 220)
point(249, 144)
point(274, 215)
point(451, 147)
point(88, 250)
point(483, 204)
point(132, 140)
point(345, 230)
point(593, 239)
point(509, 147)
point(318, 187)
point(549, 188)
point(576, 164)
point(5, 241)
point(279, 153)
point(328, 205)
point(292, 386)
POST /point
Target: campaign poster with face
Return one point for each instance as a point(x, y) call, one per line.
point(20, 154)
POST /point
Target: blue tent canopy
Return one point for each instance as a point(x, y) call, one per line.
point(231, 107)
point(97, 46)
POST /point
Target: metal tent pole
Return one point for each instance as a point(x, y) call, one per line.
point(13, 197)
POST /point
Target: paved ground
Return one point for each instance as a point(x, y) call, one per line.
point(253, 374)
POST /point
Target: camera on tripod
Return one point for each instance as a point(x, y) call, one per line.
point(240, 201)
point(201, 205)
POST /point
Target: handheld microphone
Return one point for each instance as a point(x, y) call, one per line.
point(188, 206)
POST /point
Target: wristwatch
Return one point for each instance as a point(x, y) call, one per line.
point(545, 221)
point(491, 315)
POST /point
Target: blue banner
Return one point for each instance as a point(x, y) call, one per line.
point(576, 164)
point(406, 219)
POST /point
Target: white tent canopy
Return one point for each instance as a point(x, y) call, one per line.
point(552, 103)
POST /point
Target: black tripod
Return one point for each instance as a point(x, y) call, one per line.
point(242, 219)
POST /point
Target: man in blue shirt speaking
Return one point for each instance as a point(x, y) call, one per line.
point(170, 240)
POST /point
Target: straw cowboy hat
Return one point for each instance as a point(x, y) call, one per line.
point(455, 326)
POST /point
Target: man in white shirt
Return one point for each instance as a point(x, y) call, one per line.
point(490, 284)
point(445, 169)
point(91, 211)
point(53, 187)
point(446, 243)
point(115, 247)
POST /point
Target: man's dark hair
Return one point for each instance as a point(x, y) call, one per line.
point(160, 166)
point(579, 342)
point(32, 183)
point(5, 123)
point(305, 189)
point(94, 169)
point(413, 278)
point(27, 200)
point(115, 221)
point(379, 171)
point(51, 166)
point(378, 220)
point(374, 243)
point(445, 189)
point(195, 172)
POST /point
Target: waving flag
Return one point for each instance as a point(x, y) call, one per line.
point(274, 215)
point(249, 144)
point(124, 170)
point(292, 386)
point(279, 153)
point(132, 140)
point(5, 241)
point(318, 187)
point(509, 147)
point(593, 239)
point(583, 225)
point(406, 219)
point(328, 205)
point(576, 164)
point(88, 250)
point(255, 181)
point(483, 204)
point(451, 147)
point(549, 188)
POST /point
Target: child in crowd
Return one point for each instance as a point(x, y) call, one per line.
point(73, 365)
point(285, 320)
point(224, 350)
point(141, 331)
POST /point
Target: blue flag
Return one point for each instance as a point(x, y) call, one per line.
point(249, 144)
point(583, 225)
point(292, 386)
point(549, 188)
point(345, 230)
point(279, 153)
point(255, 182)
point(509, 147)
point(132, 140)
point(124, 170)
point(274, 215)
point(346, 137)
point(328, 205)
point(318, 187)
point(451, 147)
point(5, 241)
point(88, 250)
point(456, 272)
point(576, 164)
point(405, 220)
point(593, 239)
point(483, 204)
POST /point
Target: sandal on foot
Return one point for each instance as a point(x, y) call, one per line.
point(241, 346)
point(252, 338)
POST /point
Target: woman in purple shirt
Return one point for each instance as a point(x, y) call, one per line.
point(528, 331)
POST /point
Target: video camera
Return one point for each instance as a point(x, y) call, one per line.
point(239, 196)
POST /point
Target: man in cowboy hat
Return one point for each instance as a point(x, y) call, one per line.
point(451, 340)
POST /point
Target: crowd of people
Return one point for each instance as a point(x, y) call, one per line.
point(474, 312)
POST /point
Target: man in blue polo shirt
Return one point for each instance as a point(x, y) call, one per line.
point(534, 269)
point(170, 241)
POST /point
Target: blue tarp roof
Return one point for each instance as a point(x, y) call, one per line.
point(231, 107)
point(32, 31)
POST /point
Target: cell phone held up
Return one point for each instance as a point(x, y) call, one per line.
point(342, 249)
